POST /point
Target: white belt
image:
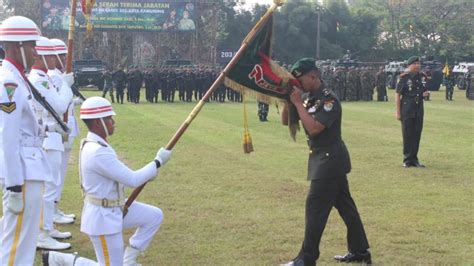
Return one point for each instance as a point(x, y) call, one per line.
point(106, 203)
point(31, 142)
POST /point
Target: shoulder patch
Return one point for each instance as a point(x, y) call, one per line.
point(328, 105)
point(45, 84)
point(10, 87)
point(8, 107)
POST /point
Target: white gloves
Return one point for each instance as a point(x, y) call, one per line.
point(14, 201)
point(163, 156)
point(77, 101)
point(68, 78)
point(55, 127)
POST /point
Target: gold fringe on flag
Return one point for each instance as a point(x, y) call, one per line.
point(293, 118)
point(248, 147)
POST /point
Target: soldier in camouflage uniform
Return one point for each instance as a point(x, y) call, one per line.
point(449, 82)
point(351, 84)
point(339, 81)
point(380, 79)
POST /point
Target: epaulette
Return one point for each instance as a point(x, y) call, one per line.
point(101, 144)
point(326, 92)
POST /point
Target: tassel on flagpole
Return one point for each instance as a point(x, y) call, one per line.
point(248, 146)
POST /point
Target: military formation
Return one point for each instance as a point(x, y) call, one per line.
point(356, 83)
point(37, 130)
point(165, 84)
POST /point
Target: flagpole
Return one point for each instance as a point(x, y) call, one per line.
point(70, 39)
point(184, 126)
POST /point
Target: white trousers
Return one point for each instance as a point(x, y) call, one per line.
point(19, 233)
point(109, 249)
point(64, 163)
point(52, 187)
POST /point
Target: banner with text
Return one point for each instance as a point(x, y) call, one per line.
point(129, 15)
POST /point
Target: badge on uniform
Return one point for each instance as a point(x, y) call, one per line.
point(45, 84)
point(10, 87)
point(328, 105)
point(8, 107)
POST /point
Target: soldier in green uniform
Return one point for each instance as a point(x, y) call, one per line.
point(409, 99)
point(262, 111)
point(380, 79)
point(320, 112)
point(449, 82)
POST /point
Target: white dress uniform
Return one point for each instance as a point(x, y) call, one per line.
point(22, 162)
point(56, 76)
point(103, 179)
point(53, 143)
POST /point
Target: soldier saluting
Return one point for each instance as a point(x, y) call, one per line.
point(409, 102)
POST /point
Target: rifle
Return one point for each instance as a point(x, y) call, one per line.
point(41, 100)
point(76, 92)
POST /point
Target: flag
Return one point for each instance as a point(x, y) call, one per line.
point(86, 6)
point(256, 74)
point(446, 69)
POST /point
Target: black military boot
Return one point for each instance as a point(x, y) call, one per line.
point(360, 256)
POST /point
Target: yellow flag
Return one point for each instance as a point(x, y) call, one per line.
point(446, 69)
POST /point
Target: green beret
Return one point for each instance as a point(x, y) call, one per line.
point(303, 66)
point(413, 59)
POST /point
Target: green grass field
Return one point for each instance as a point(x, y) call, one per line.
point(224, 207)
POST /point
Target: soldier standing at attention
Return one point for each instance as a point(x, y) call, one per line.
point(320, 112)
point(380, 79)
point(262, 111)
point(409, 102)
point(59, 99)
point(108, 85)
point(120, 79)
point(449, 82)
point(23, 163)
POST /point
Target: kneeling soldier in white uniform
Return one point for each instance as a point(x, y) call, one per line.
point(103, 179)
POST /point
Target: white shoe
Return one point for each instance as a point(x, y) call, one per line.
point(59, 219)
point(52, 258)
point(55, 233)
point(47, 242)
point(130, 256)
point(59, 212)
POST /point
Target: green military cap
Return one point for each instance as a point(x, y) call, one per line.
point(413, 59)
point(303, 66)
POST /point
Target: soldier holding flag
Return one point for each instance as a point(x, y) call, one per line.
point(320, 112)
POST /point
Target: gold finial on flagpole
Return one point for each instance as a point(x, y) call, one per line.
point(278, 2)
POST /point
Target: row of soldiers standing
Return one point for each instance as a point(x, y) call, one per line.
point(356, 83)
point(188, 82)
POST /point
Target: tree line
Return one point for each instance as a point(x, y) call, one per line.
point(372, 30)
